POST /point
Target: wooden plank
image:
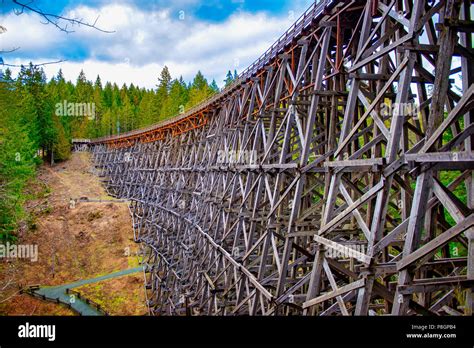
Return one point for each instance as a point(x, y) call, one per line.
point(340, 291)
point(436, 243)
point(347, 251)
point(453, 114)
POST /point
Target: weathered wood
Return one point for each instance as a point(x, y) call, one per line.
point(340, 291)
point(239, 202)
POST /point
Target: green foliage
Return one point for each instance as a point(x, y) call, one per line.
point(32, 128)
point(199, 90)
point(17, 158)
point(229, 78)
point(119, 110)
point(61, 145)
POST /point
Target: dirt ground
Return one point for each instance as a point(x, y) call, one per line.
point(113, 294)
point(89, 240)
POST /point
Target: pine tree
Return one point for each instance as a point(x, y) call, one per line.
point(7, 76)
point(107, 95)
point(30, 124)
point(228, 79)
point(60, 76)
point(32, 81)
point(98, 83)
point(83, 95)
point(61, 146)
point(126, 115)
point(106, 123)
point(176, 100)
point(17, 161)
point(162, 93)
point(214, 87)
point(199, 91)
point(145, 110)
point(98, 102)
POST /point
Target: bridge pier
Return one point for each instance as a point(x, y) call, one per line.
point(333, 178)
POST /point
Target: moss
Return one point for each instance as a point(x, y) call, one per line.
point(133, 261)
point(456, 249)
point(115, 300)
point(94, 215)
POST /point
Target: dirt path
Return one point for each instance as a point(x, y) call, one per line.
point(90, 240)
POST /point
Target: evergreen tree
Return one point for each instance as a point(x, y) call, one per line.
point(199, 91)
point(17, 157)
point(62, 145)
point(7, 76)
point(176, 100)
point(145, 109)
point(162, 93)
point(214, 87)
point(31, 128)
point(98, 102)
point(98, 83)
point(228, 79)
point(32, 82)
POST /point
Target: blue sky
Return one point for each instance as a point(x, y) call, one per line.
point(186, 35)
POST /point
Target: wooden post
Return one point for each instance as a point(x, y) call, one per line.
point(316, 180)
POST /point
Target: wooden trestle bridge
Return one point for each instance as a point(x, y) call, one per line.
point(334, 177)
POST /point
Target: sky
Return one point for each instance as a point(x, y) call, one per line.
point(212, 36)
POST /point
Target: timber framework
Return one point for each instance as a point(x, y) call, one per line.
point(334, 177)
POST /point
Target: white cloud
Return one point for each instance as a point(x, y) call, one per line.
point(144, 42)
point(28, 33)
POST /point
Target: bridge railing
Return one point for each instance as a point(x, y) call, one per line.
point(91, 303)
point(315, 10)
point(287, 37)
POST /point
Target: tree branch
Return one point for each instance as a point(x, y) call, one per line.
point(54, 19)
point(10, 51)
point(41, 64)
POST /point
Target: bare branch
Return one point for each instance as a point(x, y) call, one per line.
point(54, 19)
point(10, 51)
point(41, 64)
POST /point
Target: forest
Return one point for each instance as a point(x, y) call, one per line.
point(38, 119)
